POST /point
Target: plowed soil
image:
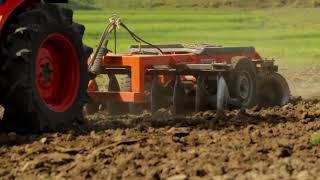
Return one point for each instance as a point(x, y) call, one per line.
point(258, 143)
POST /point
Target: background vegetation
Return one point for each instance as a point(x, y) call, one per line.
point(195, 3)
point(289, 34)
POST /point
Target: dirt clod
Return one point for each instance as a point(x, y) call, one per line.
point(283, 152)
point(178, 177)
point(44, 140)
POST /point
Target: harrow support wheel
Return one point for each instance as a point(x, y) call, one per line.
point(273, 90)
point(47, 70)
point(122, 83)
point(92, 107)
point(244, 85)
point(118, 83)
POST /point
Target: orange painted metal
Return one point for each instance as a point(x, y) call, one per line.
point(102, 97)
point(92, 86)
point(138, 64)
point(7, 9)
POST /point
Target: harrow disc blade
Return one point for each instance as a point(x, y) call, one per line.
point(222, 94)
point(178, 96)
point(200, 98)
point(273, 90)
point(155, 94)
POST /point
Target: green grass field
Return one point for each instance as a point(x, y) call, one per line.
point(291, 35)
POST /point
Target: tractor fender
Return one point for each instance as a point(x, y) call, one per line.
point(7, 9)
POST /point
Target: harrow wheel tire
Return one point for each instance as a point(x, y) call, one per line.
point(273, 90)
point(92, 107)
point(46, 67)
point(244, 83)
point(118, 83)
point(122, 83)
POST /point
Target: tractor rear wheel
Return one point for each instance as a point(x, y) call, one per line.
point(47, 70)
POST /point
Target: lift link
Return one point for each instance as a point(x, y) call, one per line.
point(101, 50)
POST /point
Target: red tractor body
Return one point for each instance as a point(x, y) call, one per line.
point(7, 8)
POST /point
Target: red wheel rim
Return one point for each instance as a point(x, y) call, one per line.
point(57, 72)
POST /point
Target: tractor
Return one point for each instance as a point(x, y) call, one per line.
point(43, 67)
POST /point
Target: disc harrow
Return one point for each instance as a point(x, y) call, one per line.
point(181, 77)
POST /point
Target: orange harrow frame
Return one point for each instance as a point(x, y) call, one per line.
point(140, 65)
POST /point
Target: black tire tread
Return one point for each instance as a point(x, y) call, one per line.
point(244, 64)
point(20, 111)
